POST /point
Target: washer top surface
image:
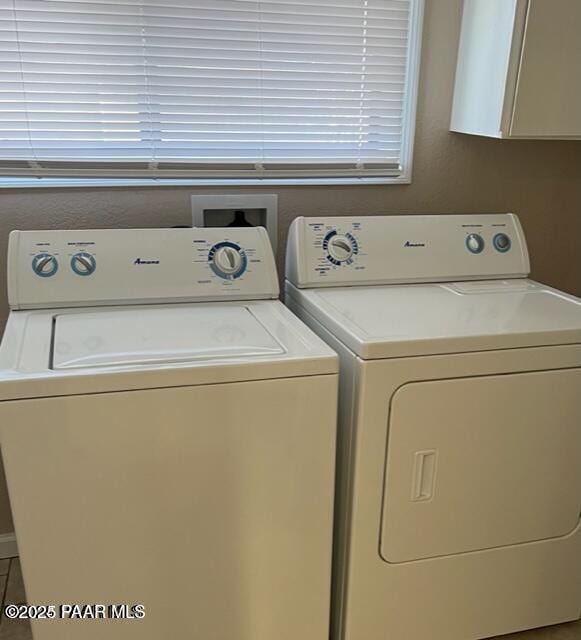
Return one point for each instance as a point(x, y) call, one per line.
point(424, 319)
point(130, 336)
point(90, 350)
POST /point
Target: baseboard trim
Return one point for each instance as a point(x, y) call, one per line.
point(8, 547)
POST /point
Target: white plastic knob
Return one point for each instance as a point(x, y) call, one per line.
point(475, 243)
point(228, 260)
point(45, 264)
point(340, 248)
point(83, 264)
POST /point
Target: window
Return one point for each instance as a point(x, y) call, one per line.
point(229, 89)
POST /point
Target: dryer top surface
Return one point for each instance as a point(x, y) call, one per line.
point(423, 319)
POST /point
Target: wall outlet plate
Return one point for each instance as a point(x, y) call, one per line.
point(215, 210)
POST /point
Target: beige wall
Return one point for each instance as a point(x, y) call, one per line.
point(540, 181)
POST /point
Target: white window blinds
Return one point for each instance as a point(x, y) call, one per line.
point(205, 87)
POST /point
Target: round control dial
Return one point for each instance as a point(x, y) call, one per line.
point(45, 265)
point(83, 264)
point(475, 243)
point(228, 260)
point(502, 242)
point(340, 248)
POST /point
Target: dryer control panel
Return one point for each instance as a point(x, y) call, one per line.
point(136, 266)
point(338, 251)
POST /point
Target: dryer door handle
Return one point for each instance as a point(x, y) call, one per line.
point(424, 475)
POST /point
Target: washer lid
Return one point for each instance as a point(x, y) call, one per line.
point(132, 336)
point(424, 319)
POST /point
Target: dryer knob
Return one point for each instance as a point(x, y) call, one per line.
point(502, 242)
point(475, 243)
point(340, 248)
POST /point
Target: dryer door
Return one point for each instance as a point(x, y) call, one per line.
point(483, 462)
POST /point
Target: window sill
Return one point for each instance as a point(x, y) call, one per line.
point(60, 183)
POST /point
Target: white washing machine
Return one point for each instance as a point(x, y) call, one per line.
point(459, 466)
point(168, 432)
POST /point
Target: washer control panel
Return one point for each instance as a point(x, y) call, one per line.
point(125, 266)
point(338, 251)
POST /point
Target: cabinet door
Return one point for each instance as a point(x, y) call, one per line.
point(548, 93)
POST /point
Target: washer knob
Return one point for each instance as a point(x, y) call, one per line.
point(83, 264)
point(45, 265)
point(475, 243)
point(228, 260)
point(340, 248)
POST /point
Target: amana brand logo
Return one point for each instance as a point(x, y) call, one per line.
point(414, 244)
point(141, 261)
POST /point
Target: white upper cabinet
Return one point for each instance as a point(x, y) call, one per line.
point(519, 69)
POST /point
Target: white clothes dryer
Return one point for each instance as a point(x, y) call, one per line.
point(459, 464)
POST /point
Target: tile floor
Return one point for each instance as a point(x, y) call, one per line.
point(12, 593)
point(12, 590)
